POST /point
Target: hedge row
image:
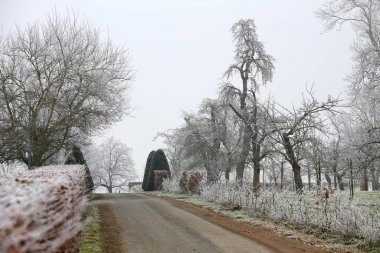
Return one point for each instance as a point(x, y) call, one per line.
point(42, 210)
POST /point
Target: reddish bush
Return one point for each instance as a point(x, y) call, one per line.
point(193, 184)
point(159, 176)
point(183, 182)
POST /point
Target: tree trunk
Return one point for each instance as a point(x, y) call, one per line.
point(295, 165)
point(340, 182)
point(364, 185)
point(282, 176)
point(318, 174)
point(309, 177)
point(212, 175)
point(256, 176)
point(229, 167)
point(297, 177)
point(328, 178)
point(109, 188)
point(263, 178)
point(240, 166)
point(374, 179)
point(275, 179)
point(351, 179)
point(227, 174)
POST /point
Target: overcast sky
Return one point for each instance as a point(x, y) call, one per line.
point(180, 50)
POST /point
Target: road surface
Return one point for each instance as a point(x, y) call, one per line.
point(141, 223)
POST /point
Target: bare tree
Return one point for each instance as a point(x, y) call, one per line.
point(364, 17)
point(59, 84)
point(230, 136)
point(210, 139)
point(205, 137)
point(111, 165)
point(297, 127)
point(336, 150)
point(254, 68)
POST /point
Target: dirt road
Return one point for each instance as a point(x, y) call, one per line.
point(141, 223)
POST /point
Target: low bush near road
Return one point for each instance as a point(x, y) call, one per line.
point(42, 210)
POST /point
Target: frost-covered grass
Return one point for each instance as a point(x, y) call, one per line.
point(90, 240)
point(357, 218)
point(42, 210)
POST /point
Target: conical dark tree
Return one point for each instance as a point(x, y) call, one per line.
point(76, 157)
point(159, 162)
point(147, 167)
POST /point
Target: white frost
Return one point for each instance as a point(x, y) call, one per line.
point(41, 210)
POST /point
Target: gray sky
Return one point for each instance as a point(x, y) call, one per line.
point(180, 50)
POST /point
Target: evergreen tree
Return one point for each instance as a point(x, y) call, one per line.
point(147, 167)
point(76, 157)
point(159, 162)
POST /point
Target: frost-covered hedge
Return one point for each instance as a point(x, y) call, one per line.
point(358, 218)
point(42, 210)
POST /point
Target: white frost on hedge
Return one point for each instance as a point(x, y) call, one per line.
point(41, 210)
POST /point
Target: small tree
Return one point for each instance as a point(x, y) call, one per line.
point(76, 157)
point(112, 165)
point(296, 127)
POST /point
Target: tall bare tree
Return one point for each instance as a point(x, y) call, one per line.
point(59, 83)
point(254, 68)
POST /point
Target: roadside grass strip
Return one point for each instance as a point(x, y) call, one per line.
point(42, 209)
point(91, 241)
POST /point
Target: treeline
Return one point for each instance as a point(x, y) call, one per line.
point(337, 141)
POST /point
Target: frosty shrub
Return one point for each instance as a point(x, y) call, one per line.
point(136, 188)
point(42, 210)
point(190, 181)
point(332, 211)
point(171, 185)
